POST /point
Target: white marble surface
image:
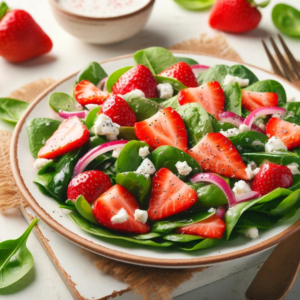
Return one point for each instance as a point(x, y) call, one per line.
point(169, 24)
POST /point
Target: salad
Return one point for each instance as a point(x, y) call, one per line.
point(171, 153)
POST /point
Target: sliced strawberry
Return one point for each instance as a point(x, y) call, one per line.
point(288, 132)
point(90, 184)
point(215, 153)
point(169, 195)
point(137, 78)
point(110, 203)
point(119, 111)
point(182, 72)
point(166, 127)
point(210, 95)
point(253, 100)
point(70, 135)
point(87, 93)
point(212, 228)
point(271, 177)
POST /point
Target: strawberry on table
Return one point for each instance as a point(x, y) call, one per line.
point(215, 153)
point(87, 93)
point(90, 184)
point(21, 37)
point(137, 78)
point(253, 100)
point(169, 195)
point(288, 132)
point(270, 177)
point(212, 227)
point(165, 128)
point(182, 72)
point(70, 135)
point(119, 111)
point(114, 201)
point(210, 95)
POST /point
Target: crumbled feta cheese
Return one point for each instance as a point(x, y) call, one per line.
point(134, 94)
point(241, 187)
point(294, 167)
point(230, 132)
point(112, 137)
point(105, 126)
point(211, 210)
point(47, 124)
point(257, 143)
point(251, 170)
point(141, 215)
point(41, 162)
point(244, 128)
point(116, 152)
point(251, 233)
point(165, 90)
point(183, 168)
point(232, 79)
point(120, 217)
point(91, 106)
point(274, 144)
point(144, 151)
point(146, 167)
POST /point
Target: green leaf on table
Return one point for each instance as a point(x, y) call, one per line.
point(15, 259)
point(195, 4)
point(93, 72)
point(114, 77)
point(65, 102)
point(11, 110)
point(233, 98)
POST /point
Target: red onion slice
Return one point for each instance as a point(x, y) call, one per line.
point(102, 84)
point(95, 152)
point(246, 196)
point(264, 111)
point(68, 114)
point(220, 212)
point(197, 69)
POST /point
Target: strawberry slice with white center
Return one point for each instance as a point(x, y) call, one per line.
point(110, 203)
point(212, 227)
point(165, 128)
point(253, 100)
point(87, 93)
point(288, 132)
point(169, 195)
point(70, 135)
point(216, 154)
point(210, 95)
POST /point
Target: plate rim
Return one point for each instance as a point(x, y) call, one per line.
point(115, 254)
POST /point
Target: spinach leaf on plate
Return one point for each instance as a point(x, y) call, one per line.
point(172, 102)
point(205, 244)
point(65, 102)
point(242, 72)
point(11, 109)
point(114, 77)
point(93, 72)
point(91, 117)
point(233, 98)
point(181, 238)
point(176, 84)
point(84, 209)
point(187, 60)
point(214, 73)
point(292, 107)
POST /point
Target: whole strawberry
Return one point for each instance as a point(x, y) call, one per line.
point(137, 78)
point(21, 38)
point(270, 177)
point(90, 184)
point(119, 111)
point(235, 15)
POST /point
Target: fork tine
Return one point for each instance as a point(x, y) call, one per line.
point(282, 62)
point(295, 65)
point(275, 67)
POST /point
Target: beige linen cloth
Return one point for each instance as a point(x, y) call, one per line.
point(152, 283)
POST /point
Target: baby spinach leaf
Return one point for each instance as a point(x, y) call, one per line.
point(205, 244)
point(195, 4)
point(39, 130)
point(114, 77)
point(62, 101)
point(172, 102)
point(96, 140)
point(187, 60)
point(157, 59)
point(292, 119)
point(100, 231)
point(296, 183)
point(93, 72)
point(214, 73)
point(196, 121)
point(176, 84)
point(269, 86)
point(15, 259)
point(250, 219)
point(218, 126)
point(11, 109)
point(181, 238)
point(91, 117)
point(168, 156)
point(293, 107)
point(233, 98)
point(85, 210)
point(138, 185)
point(127, 133)
point(146, 236)
point(242, 72)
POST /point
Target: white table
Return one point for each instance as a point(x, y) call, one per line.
point(168, 25)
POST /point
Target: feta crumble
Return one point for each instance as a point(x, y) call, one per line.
point(116, 152)
point(105, 126)
point(165, 90)
point(251, 170)
point(134, 94)
point(41, 162)
point(144, 151)
point(91, 106)
point(294, 167)
point(183, 168)
point(243, 128)
point(275, 144)
point(120, 217)
point(251, 233)
point(230, 132)
point(241, 187)
point(146, 167)
point(141, 215)
point(232, 79)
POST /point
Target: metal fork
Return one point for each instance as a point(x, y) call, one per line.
point(292, 72)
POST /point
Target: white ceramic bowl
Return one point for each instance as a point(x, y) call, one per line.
point(102, 31)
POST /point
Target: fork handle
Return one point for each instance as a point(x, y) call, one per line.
point(277, 275)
